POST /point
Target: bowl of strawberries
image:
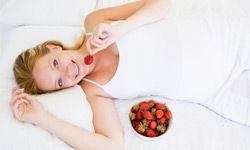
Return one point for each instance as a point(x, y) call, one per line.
point(150, 119)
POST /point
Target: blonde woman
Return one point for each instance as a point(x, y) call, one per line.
point(47, 67)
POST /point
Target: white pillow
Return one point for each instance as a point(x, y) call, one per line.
point(18, 39)
point(69, 104)
point(45, 12)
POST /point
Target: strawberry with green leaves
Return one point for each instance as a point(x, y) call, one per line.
point(153, 111)
point(150, 118)
point(161, 128)
point(140, 128)
point(135, 108)
point(151, 103)
point(132, 116)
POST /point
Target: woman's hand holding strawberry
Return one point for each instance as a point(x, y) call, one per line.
point(103, 36)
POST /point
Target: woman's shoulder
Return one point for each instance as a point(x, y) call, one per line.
point(113, 48)
point(93, 90)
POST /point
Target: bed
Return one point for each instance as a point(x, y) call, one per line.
point(196, 125)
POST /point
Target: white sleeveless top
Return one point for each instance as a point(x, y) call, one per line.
point(174, 58)
point(149, 63)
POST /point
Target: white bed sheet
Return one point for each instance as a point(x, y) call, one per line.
point(194, 127)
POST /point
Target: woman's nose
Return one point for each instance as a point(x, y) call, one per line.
point(69, 71)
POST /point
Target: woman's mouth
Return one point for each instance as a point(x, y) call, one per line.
point(80, 70)
point(76, 69)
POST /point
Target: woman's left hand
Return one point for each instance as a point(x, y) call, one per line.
point(103, 36)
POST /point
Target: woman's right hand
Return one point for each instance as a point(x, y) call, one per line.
point(103, 36)
point(26, 108)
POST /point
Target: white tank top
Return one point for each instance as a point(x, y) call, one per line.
point(148, 57)
point(177, 58)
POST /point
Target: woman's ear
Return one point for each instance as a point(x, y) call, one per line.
point(52, 47)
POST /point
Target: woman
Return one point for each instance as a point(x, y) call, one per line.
point(47, 68)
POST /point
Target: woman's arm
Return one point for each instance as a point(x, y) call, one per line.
point(109, 14)
point(108, 133)
point(134, 15)
point(152, 10)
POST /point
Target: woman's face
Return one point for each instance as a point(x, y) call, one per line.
point(59, 69)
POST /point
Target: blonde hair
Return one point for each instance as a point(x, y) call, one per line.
point(25, 61)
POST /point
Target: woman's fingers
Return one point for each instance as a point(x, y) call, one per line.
point(92, 47)
point(14, 89)
point(17, 91)
point(16, 110)
point(94, 44)
point(103, 31)
point(102, 35)
point(21, 108)
point(22, 96)
point(29, 97)
point(99, 41)
point(17, 97)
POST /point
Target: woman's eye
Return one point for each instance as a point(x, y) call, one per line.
point(60, 83)
point(55, 63)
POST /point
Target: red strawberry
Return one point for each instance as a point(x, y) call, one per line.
point(144, 106)
point(148, 115)
point(138, 115)
point(157, 133)
point(160, 106)
point(163, 120)
point(88, 59)
point(140, 128)
point(153, 125)
point(136, 123)
point(146, 122)
point(151, 133)
point(151, 103)
point(159, 113)
point(135, 108)
point(168, 114)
